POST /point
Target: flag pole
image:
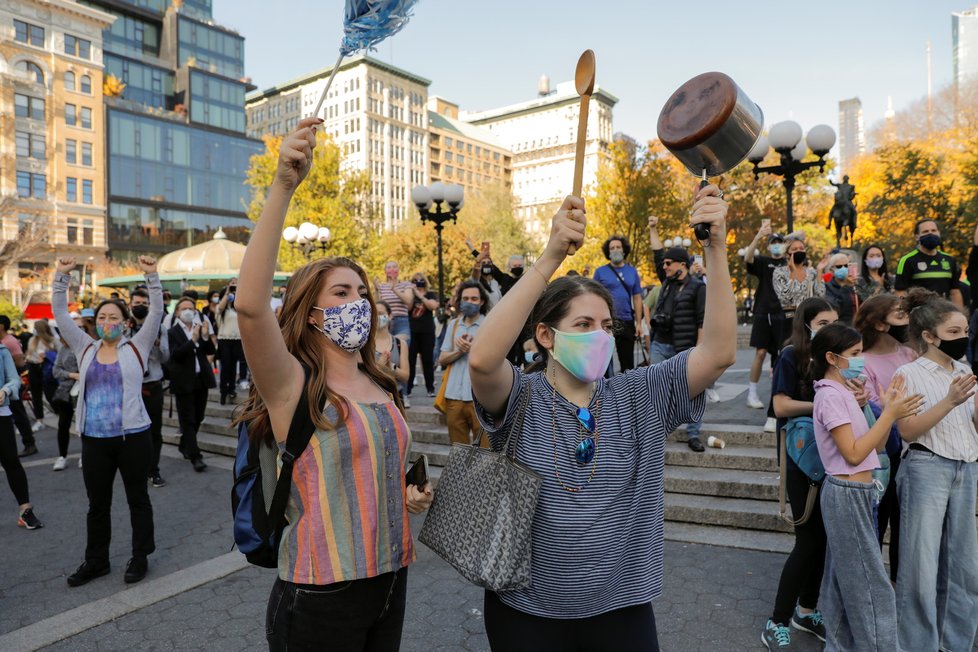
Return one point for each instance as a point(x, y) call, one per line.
point(322, 98)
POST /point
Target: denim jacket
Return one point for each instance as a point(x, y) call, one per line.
point(134, 415)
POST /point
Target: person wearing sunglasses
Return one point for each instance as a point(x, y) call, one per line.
point(839, 289)
point(597, 443)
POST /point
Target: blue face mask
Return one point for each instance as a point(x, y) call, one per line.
point(855, 369)
point(841, 273)
point(530, 357)
point(469, 309)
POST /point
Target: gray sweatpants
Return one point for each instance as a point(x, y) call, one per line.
point(857, 600)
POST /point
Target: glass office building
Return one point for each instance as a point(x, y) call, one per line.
point(176, 143)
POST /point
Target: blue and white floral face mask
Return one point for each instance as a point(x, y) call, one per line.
point(348, 325)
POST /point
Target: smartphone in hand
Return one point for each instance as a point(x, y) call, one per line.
point(418, 473)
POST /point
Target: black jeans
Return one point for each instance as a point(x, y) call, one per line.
point(801, 578)
point(66, 412)
point(422, 344)
point(231, 353)
point(35, 378)
point(627, 629)
point(889, 514)
point(16, 477)
point(153, 401)
point(365, 614)
point(190, 413)
point(625, 345)
point(101, 458)
point(22, 421)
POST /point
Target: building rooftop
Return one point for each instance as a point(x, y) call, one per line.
point(323, 73)
point(464, 129)
point(564, 93)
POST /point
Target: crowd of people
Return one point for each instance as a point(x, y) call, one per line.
point(867, 376)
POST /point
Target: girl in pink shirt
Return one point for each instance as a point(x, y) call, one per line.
point(858, 601)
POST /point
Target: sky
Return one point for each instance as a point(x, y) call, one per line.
point(795, 59)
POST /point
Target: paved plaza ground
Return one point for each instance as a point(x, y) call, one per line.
point(201, 595)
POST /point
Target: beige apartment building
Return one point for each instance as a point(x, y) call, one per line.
point(463, 153)
point(52, 137)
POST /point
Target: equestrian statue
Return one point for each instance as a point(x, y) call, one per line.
point(843, 212)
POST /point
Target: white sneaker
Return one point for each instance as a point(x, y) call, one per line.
point(79, 462)
point(754, 402)
point(59, 464)
point(407, 401)
point(38, 426)
point(712, 396)
point(771, 425)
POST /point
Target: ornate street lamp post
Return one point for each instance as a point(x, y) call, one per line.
point(785, 139)
point(307, 238)
point(438, 193)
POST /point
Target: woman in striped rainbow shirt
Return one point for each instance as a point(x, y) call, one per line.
point(343, 557)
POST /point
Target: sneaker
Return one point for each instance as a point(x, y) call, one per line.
point(157, 480)
point(695, 444)
point(28, 521)
point(771, 425)
point(38, 426)
point(28, 451)
point(199, 465)
point(712, 396)
point(87, 572)
point(79, 462)
point(776, 637)
point(60, 463)
point(136, 570)
point(811, 623)
point(407, 401)
point(754, 402)
point(431, 394)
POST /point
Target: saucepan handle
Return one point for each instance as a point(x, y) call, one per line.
point(702, 231)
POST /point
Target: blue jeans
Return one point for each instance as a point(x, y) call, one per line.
point(858, 603)
point(401, 326)
point(937, 581)
point(661, 352)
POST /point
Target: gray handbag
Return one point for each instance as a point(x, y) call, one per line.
point(483, 510)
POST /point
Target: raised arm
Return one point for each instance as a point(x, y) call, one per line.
point(491, 373)
point(277, 374)
point(752, 247)
point(76, 338)
point(719, 348)
point(148, 334)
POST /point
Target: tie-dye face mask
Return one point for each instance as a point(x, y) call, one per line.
point(348, 325)
point(585, 355)
point(110, 332)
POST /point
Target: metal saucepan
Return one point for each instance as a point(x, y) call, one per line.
point(710, 124)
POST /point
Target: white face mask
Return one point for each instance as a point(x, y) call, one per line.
point(187, 316)
point(382, 321)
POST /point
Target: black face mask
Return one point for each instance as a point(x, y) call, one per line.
point(799, 257)
point(899, 333)
point(140, 311)
point(516, 272)
point(420, 284)
point(955, 349)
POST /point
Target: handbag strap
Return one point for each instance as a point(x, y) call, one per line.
point(518, 421)
point(627, 290)
point(812, 489)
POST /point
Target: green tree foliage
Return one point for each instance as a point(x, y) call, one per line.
point(10, 310)
point(329, 196)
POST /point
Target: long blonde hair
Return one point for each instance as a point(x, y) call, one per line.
point(307, 345)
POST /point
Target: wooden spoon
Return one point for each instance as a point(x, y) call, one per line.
point(584, 80)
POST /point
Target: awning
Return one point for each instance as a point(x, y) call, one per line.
point(137, 279)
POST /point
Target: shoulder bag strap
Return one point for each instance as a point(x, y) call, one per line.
point(517, 428)
point(300, 432)
point(627, 290)
point(782, 488)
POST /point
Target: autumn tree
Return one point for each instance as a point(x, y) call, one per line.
point(330, 196)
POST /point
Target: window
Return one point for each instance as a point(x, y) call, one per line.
point(86, 191)
point(71, 151)
point(27, 33)
point(88, 232)
point(78, 47)
point(69, 81)
point(71, 114)
point(449, 156)
point(72, 230)
point(28, 107)
point(30, 146)
point(86, 85)
point(71, 189)
point(86, 118)
point(31, 185)
point(32, 69)
point(87, 154)
point(448, 141)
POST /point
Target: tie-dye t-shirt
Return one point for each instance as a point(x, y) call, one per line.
point(103, 400)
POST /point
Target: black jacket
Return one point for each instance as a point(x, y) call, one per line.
point(181, 364)
point(687, 309)
point(843, 298)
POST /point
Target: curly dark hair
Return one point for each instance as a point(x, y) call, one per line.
point(626, 246)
